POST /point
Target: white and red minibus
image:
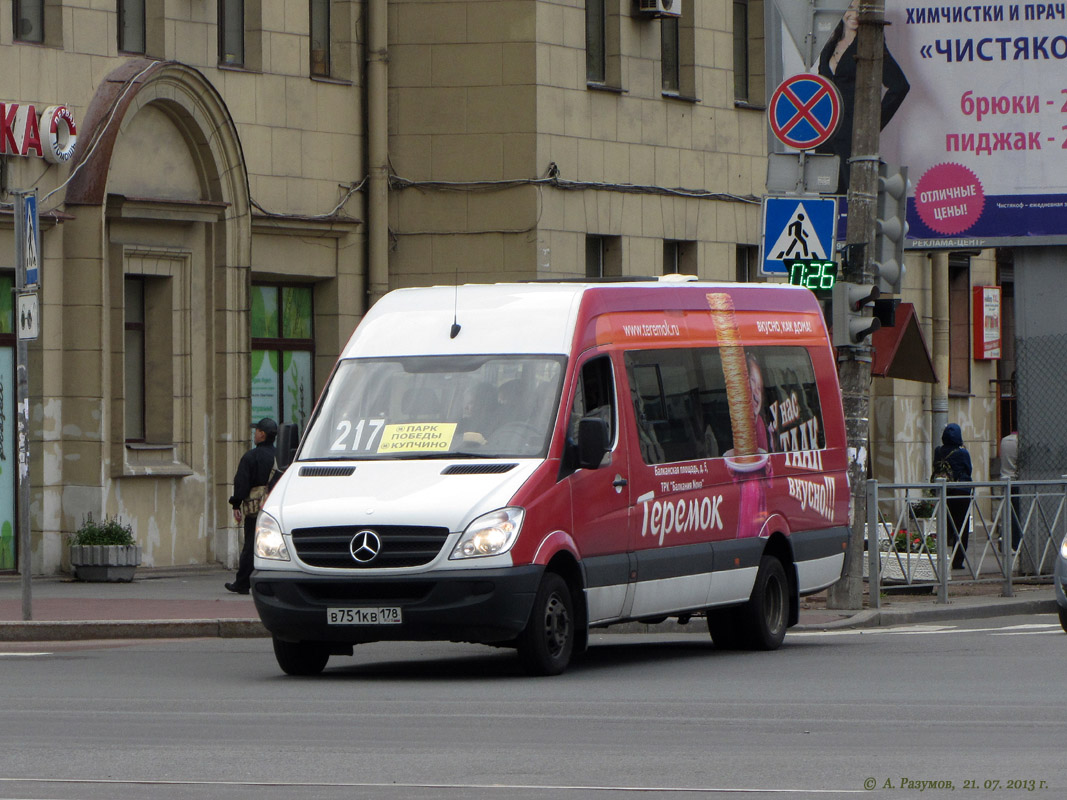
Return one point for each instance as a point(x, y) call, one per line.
point(516, 464)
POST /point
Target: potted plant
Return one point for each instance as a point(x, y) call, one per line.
point(104, 551)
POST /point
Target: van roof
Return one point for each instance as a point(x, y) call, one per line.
point(536, 317)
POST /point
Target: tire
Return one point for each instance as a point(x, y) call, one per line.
point(546, 644)
point(765, 616)
point(300, 658)
point(1063, 618)
point(725, 628)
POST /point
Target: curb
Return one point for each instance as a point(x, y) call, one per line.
point(76, 630)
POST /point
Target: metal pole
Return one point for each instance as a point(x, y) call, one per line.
point(874, 555)
point(945, 558)
point(854, 363)
point(1005, 540)
point(22, 404)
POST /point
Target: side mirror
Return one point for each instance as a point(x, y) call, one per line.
point(592, 442)
point(286, 444)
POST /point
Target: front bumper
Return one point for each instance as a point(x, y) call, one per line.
point(458, 606)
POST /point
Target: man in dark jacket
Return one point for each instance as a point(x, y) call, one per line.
point(955, 454)
point(254, 470)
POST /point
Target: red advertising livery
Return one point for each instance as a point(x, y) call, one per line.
point(517, 464)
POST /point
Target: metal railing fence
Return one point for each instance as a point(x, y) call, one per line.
point(991, 531)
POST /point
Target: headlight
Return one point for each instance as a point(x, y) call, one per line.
point(1063, 548)
point(269, 541)
point(491, 534)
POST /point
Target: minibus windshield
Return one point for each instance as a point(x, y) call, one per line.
point(485, 406)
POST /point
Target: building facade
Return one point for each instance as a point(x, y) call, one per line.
point(250, 176)
point(196, 252)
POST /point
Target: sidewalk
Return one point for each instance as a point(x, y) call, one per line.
point(189, 602)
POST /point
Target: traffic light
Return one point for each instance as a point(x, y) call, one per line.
point(891, 227)
point(851, 308)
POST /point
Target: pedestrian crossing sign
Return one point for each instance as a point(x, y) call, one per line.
point(798, 226)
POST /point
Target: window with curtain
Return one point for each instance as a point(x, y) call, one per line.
point(283, 349)
point(28, 20)
point(670, 62)
point(320, 37)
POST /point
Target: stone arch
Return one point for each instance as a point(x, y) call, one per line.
point(196, 108)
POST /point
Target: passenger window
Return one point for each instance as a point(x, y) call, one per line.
point(682, 411)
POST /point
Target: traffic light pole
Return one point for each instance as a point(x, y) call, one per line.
point(854, 362)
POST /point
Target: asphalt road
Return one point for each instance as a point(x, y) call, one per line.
point(977, 704)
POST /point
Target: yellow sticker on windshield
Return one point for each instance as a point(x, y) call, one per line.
point(417, 437)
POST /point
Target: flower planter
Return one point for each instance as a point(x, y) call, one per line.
point(905, 567)
point(98, 562)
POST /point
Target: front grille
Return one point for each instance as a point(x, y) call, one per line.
point(402, 546)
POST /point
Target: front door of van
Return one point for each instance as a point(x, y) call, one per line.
point(600, 498)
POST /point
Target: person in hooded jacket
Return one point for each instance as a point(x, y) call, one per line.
point(956, 456)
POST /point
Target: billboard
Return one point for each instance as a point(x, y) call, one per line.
point(982, 126)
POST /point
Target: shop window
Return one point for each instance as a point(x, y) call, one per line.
point(132, 26)
point(320, 38)
point(283, 349)
point(232, 32)
point(748, 44)
point(959, 324)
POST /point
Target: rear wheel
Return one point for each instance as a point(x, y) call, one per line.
point(301, 658)
point(765, 616)
point(1063, 619)
point(546, 644)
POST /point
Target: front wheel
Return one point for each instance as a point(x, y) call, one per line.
point(765, 615)
point(1063, 619)
point(301, 658)
point(546, 644)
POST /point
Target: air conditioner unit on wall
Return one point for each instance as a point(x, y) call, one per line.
point(660, 8)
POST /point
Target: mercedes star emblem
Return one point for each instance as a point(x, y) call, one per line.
point(365, 546)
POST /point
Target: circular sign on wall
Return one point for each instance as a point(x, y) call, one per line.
point(60, 134)
point(805, 111)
